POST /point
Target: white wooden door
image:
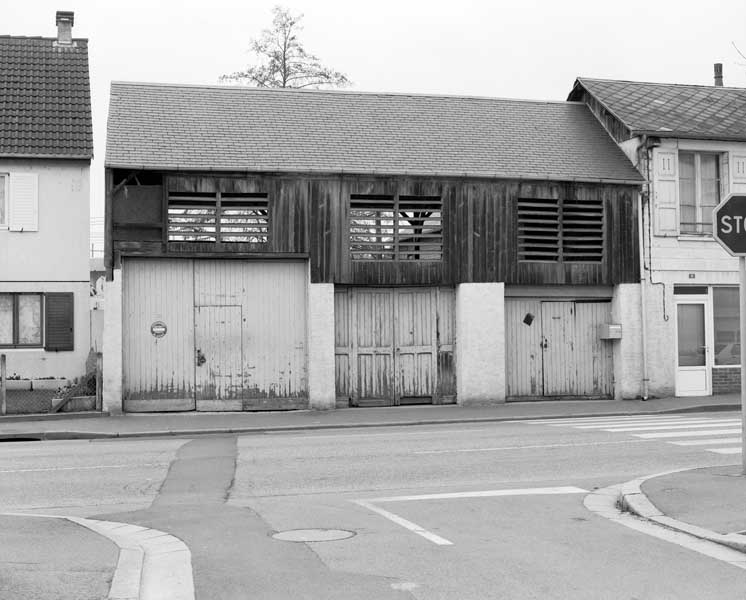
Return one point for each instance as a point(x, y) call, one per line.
point(415, 344)
point(218, 358)
point(692, 363)
point(373, 346)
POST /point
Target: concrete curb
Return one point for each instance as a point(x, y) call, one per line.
point(634, 500)
point(92, 435)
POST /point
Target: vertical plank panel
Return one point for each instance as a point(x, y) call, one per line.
point(523, 355)
point(594, 356)
point(559, 358)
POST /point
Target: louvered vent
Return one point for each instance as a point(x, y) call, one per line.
point(224, 218)
point(403, 228)
point(582, 231)
point(560, 230)
point(538, 230)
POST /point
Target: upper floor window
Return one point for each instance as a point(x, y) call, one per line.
point(699, 191)
point(3, 199)
point(19, 203)
point(387, 227)
point(560, 230)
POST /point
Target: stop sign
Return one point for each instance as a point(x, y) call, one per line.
point(729, 224)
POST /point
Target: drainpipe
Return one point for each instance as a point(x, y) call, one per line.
point(643, 298)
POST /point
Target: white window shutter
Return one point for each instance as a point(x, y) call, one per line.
point(665, 192)
point(724, 175)
point(24, 202)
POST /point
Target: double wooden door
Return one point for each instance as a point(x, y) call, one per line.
point(394, 346)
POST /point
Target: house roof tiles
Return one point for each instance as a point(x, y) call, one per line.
point(177, 127)
point(671, 110)
point(45, 98)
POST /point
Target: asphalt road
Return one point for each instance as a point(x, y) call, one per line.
point(490, 510)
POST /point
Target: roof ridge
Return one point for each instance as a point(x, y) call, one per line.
point(697, 85)
point(253, 89)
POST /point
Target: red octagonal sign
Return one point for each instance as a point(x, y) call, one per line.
point(729, 224)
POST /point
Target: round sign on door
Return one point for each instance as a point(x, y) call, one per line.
point(158, 329)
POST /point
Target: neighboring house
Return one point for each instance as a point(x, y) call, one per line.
point(46, 148)
point(689, 142)
point(271, 249)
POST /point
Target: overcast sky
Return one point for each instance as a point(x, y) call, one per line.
point(528, 49)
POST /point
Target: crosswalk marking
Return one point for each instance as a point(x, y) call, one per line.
point(709, 433)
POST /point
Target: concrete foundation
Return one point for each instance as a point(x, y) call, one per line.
point(112, 345)
point(321, 387)
point(480, 343)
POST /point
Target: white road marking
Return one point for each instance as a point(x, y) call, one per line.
point(413, 527)
point(735, 440)
point(441, 541)
point(81, 468)
point(693, 423)
point(725, 450)
point(365, 434)
point(672, 434)
point(733, 422)
point(619, 418)
point(529, 447)
point(152, 565)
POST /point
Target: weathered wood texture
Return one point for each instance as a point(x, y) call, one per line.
point(309, 217)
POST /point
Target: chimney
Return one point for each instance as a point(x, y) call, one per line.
point(65, 20)
point(718, 74)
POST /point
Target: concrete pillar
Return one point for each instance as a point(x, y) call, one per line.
point(112, 344)
point(626, 310)
point(480, 343)
point(321, 389)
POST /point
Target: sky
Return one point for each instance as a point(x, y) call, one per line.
point(531, 49)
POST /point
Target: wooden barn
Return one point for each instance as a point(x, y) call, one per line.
point(278, 249)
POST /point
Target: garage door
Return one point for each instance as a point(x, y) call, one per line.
point(553, 349)
point(214, 335)
point(394, 346)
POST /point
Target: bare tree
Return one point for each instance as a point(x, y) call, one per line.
point(282, 61)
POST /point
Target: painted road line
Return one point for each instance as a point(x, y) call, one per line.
point(152, 565)
point(581, 420)
point(725, 450)
point(413, 527)
point(365, 434)
point(657, 423)
point(487, 494)
point(441, 541)
point(710, 442)
point(85, 468)
point(673, 434)
point(531, 447)
point(732, 422)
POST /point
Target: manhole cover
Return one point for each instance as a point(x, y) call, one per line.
point(313, 535)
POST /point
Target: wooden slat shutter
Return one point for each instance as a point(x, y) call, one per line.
point(24, 202)
point(666, 192)
point(59, 321)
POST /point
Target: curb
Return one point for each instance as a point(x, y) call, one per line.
point(93, 435)
point(634, 500)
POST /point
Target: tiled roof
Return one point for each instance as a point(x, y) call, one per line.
point(158, 126)
point(45, 98)
point(672, 110)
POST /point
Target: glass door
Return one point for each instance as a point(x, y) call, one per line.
point(692, 356)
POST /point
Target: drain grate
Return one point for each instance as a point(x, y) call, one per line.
point(313, 535)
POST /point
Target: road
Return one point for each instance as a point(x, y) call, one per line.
point(475, 511)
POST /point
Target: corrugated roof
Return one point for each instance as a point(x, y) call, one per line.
point(672, 110)
point(45, 98)
point(158, 126)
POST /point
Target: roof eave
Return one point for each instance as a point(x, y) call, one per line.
point(687, 135)
point(49, 156)
point(376, 172)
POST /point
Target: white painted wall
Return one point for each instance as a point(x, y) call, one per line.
point(321, 387)
point(52, 259)
point(625, 309)
point(112, 352)
point(480, 343)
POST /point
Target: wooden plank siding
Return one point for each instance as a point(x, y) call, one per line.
point(309, 218)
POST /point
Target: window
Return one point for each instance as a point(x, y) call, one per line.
point(218, 218)
point(20, 320)
point(699, 191)
point(725, 312)
point(556, 230)
point(402, 228)
point(3, 199)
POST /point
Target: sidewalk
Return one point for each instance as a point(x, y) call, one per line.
point(88, 426)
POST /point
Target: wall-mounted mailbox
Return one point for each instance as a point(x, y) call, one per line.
point(610, 331)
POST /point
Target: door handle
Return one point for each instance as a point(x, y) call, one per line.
point(201, 360)
point(544, 343)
